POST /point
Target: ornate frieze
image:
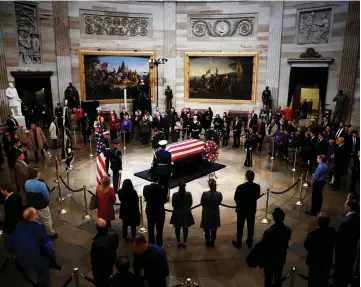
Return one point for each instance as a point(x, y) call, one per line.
point(27, 24)
point(314, 26)
point(115, 24)
point(222, 26)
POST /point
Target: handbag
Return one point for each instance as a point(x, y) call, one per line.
point(93, 202)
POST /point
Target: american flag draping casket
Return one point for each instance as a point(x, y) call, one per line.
point(185, 148)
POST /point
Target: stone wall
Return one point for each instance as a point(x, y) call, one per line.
point(169, 35)
point(47, 40)
point(290, 49)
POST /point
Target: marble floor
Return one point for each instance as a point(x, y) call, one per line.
point(222, 266)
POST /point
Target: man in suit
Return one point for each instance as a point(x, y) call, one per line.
point(346, 249)
point(318, 182)
point(156, 196)
point(313, 151)
point(124, 277)
point(275, 244)
point(355, 152)
point(254, 119)
point(340, 132)
point(103, 253)
point(324, 123)
point(237, 129)
point(319, 245)
point(13, 208)
point(162, 163)
point(340, 161)
point(322, 145)
point(11, 123)
point(22, 174)
point(246, 197)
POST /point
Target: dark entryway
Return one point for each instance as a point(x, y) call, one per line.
point(312, 78)
point(34, 89)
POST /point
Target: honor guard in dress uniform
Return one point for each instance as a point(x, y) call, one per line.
point(115, 156)
point(187, 127)
point(250, 144)
point(195, 128)
point(59, 115)
point(162, 163)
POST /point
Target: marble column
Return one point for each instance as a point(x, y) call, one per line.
point(4, 104)
point(62, 46)
point(169, 49)
point(350, 54)
point(274, 49)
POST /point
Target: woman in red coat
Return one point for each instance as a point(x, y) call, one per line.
point(106, 200)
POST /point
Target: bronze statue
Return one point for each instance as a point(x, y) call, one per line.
point(341, 101)
point(72, 95)
point(267, 98)
point(168, 97)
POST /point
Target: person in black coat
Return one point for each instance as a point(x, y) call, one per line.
point(254, 119)
point(275, 244)
point(322, 145)
point(13, 209)
point(319, 245)
point(313, 151)
point(346, 249)
point(124, 278)
point(217, 122)
point(246, 197)
point(155, 196)
point(12, 123)
point(340, 161)
point(129, 208)
point(237, 129)
point(103, 254)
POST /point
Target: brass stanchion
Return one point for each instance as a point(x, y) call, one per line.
point(87, 216)
point(294, 161)
point(305, 184)
point(57, 181)
point(300, 202)
point(90, 147)
point(265, 220)
point(60, 198)
point(273, 148)
point(142, 228)
point(76, 276)
point(293, 276)
point(124, 147)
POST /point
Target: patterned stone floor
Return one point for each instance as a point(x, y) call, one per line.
point(222, 266)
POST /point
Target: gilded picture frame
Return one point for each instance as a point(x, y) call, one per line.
point(227, 84)
point(142, 58)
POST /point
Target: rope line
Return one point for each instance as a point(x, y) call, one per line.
point(87, 278)
point(286, 277)
point(292, 186)
point(22, 272)
point(4, 265)
point(302, 276)
point(67, 282)
point(73, 190)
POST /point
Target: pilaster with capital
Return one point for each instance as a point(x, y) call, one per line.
point(169, 49)
point(274, 50)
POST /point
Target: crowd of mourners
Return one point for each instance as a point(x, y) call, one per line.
point(330, 148)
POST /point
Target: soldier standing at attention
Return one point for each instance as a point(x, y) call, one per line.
point(115, 158)
point(161, 165)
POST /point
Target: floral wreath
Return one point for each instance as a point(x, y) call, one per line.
point(156, 138)
point(210, 151)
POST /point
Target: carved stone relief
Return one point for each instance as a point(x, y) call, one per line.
point(27, 23)
point(115, 24)
point(222, 26)
point(314, 26)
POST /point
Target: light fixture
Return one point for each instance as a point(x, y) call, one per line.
point(155, 63)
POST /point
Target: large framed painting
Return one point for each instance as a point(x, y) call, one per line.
point(220, 77)
point(105, 74)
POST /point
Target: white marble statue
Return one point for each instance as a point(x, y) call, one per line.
point(14, 100)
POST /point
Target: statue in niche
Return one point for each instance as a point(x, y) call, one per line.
point(71, 94)
point(14, 100)
point(341, 101)
point(168, 97)
point(314, 27)
point(267, 98)
point(35, 45)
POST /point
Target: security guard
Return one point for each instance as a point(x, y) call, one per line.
point(161, 165)
point(250, 144)
point(115, 156)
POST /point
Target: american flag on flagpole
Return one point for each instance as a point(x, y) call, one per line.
point(101, 167)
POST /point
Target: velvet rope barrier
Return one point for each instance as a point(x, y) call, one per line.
point(288, 189)
point(73, 190)
point(92, 193)
point(67, 282)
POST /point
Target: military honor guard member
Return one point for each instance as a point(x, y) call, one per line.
point(162, 163)
point(250, 144)
point(195, 128)
point(115, 156)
